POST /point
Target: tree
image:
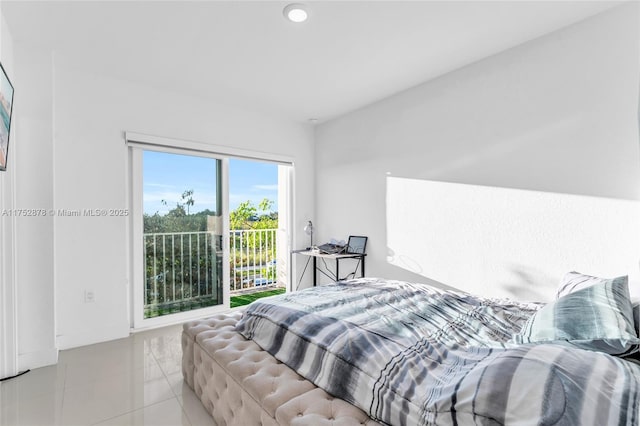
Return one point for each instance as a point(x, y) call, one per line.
point(178, 219)
point(244, 219)
point(240, 217)
point(248, 216)
point(187, 197)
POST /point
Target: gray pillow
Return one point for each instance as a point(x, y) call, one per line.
point(598, 317)
point(573, 281)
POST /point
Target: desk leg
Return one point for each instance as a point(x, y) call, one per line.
point(337, 270)
point(314, 271)
point(362, 267)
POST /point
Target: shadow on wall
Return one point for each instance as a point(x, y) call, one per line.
point(502, 242)
point(408, 269)
point(404, 261)
point(529, 284)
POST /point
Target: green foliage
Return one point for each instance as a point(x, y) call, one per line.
point(178, 219)
point(156, 310)
point(175, 222)
point(182, 265)
point(248, 216)
point(181, 272)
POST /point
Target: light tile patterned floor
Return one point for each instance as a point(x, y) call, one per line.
point(132, 381)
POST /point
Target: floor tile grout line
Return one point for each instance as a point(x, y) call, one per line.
point(179, 398)
point(164, 356)
point(64, 390)
point(164, 376)
point(155, 357)
point(134, 410)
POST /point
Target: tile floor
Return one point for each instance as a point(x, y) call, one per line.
point(132, 381)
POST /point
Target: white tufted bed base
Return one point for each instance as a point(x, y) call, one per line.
point(241, 384)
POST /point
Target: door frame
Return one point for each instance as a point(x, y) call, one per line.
point(137, 143)
point(8, 287)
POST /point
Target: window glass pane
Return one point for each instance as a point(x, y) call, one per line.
point(182, 233)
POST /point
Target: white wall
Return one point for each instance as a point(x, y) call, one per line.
point(73, 156)
point(91, 114)
point(34, 191)
point(557, 114)
point(509, 242)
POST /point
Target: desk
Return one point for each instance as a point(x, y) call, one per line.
point(337, 257)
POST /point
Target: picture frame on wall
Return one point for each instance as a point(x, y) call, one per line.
point(6, 109)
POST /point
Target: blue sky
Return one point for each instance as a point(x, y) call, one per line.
point(167, 176)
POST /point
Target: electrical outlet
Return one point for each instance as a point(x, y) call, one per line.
point(89, 296)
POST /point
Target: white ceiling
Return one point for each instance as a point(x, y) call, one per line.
point(347, 55)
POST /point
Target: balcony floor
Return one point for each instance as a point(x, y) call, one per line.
point(249, 295)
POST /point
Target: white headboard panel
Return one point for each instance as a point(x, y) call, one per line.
point(502, 242)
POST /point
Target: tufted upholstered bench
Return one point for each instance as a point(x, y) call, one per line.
point(241, 384)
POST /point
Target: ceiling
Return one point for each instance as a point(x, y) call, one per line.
point(240, 53)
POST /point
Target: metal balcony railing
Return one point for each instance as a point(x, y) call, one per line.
point(253, 258)
point(182, 269)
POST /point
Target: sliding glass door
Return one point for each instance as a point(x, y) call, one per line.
point(186, 262)
point(180, 225)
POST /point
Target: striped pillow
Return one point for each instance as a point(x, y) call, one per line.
point(573, 281)
point(598, 317)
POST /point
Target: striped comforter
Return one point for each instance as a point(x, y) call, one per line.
point(410, 354)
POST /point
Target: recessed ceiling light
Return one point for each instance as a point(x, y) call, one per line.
point(296, 12)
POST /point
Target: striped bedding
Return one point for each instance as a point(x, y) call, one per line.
point(411, 354)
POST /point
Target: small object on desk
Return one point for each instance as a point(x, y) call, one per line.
point(330, 248)
point(308, 229)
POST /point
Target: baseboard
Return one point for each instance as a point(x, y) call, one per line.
point(69, 341)
point(37, 359)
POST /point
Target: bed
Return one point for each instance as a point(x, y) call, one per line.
point(371, 351)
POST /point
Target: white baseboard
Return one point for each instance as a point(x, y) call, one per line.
point(43, 358)
point(69, 341)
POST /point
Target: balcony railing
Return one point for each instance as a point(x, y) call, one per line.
point(252, 256)
point(182, 269)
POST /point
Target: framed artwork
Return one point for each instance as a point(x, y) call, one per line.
point(6, 107)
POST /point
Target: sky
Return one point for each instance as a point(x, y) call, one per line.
point(166, 176)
